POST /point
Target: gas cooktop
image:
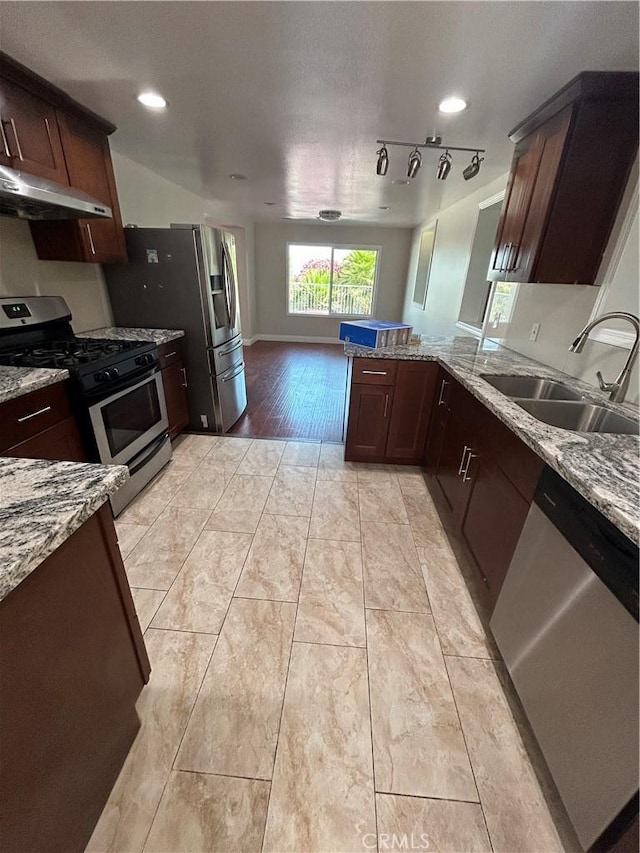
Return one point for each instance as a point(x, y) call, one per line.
point(73, 354)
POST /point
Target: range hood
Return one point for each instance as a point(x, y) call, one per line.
point(29, 197)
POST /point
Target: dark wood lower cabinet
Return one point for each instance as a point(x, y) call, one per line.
point(389, 410)
point(73, 664)
point(59, 442)
point(175, 393)
point(368, 426)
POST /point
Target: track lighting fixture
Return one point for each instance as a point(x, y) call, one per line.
point(383, 161)
point(415, 161)
point(444, 166)
point(415, 158)
point(473, 168)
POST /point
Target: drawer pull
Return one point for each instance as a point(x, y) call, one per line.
point(375, 372)
point(442, 387)
point(184, 377)
point(386, 405)
point(5, 143)
point(34, 414)
point(169, 354)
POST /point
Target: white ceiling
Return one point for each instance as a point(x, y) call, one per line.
point(295, 94)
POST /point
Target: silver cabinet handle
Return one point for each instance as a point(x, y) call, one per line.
point(513, 257)
point(16, 137)
point(465, 477)
point(505, 255)
point(5, 141)
point(185, 384)
point(169, 354)
point(93, 248)
point(386, 405)
point(464, 453)
point(442, 387)
point(34, 414)
point(375, 372)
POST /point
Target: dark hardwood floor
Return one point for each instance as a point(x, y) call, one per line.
point(294, 390)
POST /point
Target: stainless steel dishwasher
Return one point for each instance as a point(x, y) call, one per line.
point(566, 622)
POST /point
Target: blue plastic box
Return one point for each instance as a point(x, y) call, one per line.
point(375, 333)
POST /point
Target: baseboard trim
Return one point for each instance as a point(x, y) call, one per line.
point(247, 342)
point(302, 339)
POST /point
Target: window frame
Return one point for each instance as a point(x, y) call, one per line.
point(333, 246)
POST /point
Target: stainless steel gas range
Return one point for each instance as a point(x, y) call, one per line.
point(116, 386)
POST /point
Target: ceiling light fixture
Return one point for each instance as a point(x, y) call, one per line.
point(444, 166)
point(415, 158)
point(152, 100)
point(452, 105)
point(383, 161)
point(415, 161)
point(473, 168)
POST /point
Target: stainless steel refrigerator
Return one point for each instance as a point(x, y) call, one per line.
point(184, 277)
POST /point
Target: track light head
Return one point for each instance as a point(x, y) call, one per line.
point(415, 161)
point(444, 166)
point(473, 168)
point(383, 161)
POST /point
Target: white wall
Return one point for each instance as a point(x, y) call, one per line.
point(454, 238)
point(149, 200)
point(270, 259)
point(22, 274)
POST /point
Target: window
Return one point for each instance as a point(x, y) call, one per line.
point(331, 280)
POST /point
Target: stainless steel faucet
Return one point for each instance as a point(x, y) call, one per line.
point(617, 389)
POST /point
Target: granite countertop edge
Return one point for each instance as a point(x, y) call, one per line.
point(18, 381)
point(124, 333)
point(611, 485)
point(43, 503)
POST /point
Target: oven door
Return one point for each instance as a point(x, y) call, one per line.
point(128, 421)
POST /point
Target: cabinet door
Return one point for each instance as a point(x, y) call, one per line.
point(494, 518)
point(59, 442)
point(369, 411)
point(515, 208)
point(449, 477)
point(411, 412)
point(174, 380)
point(99, 241)
point(30, 137)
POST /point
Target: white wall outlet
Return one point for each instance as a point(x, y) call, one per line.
point(533, 334)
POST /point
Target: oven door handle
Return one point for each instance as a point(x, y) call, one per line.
point(156, 447)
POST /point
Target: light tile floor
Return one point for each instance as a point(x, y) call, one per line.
point(282, 715)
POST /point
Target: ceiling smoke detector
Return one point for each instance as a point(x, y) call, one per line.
point(329, 215)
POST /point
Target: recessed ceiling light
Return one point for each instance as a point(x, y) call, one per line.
point(152, 100)
point(235, 176)
point(399, 182)
point(452, 105)
point(383, 207)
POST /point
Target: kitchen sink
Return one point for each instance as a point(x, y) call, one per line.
point(579, 416)
point(532, 388)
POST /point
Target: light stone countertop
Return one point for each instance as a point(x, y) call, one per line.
point(16, 381)
point(120, 333)
point(41, 504)
point(604, 468)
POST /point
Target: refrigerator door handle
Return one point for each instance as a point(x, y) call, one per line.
point(231, 286)
point(238, 370)
point(225, 277)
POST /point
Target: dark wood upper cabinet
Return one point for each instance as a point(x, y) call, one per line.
point(29, 138)
point(100, 241)
point(47, 133)
point(570, 167)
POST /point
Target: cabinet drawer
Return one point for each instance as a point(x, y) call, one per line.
point(170, 353)
point(26, 416)
point(374, 371)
